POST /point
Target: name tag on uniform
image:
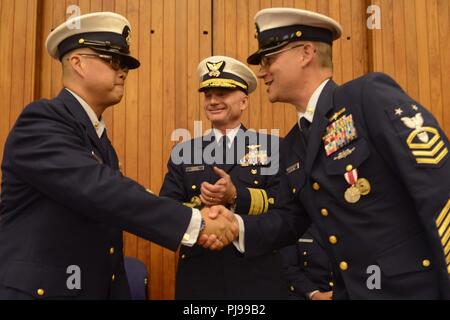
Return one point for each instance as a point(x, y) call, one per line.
point(194, 169)
point(292, 168)
point(302, 240)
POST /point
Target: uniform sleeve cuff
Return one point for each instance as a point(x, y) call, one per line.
point(239, 243)
point(311, 294)
point(191, 234)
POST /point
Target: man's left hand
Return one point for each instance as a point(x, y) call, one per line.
point(223, 192)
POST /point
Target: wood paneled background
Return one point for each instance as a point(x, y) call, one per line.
point(170, 37)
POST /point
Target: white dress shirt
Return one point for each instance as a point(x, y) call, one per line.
point(312, 104)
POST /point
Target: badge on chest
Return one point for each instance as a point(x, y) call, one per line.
point(357, 186)
point(339, 133)
point(254, 157)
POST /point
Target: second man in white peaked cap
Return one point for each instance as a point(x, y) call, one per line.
point(366, 163)
point(234, 177)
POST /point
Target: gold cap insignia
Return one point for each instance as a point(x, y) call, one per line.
point(215, 68)
point(126, 33)
point(256, 31)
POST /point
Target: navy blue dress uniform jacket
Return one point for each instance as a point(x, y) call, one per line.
point(401, 225)
point(225, 274)
point(307, 266)
point(64, 204)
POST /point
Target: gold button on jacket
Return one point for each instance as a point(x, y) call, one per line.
point(343, 265)
point(332, 239)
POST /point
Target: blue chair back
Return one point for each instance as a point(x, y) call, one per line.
point(137, 278)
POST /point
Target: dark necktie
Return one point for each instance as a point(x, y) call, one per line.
point(106, 145)
point(223, 142)
point(305, 126)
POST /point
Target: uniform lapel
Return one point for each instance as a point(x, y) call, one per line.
point(108, 148)
point(78, 112)
point(319, 124)
point(298, 146)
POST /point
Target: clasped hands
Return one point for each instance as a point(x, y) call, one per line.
point(221, 224)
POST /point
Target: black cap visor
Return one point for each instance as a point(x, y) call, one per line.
point(129, 61)
point(104, 42)
point(274, 39)
point(256, 57)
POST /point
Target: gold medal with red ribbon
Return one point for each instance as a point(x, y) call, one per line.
point(358, 186)
point(352, 194)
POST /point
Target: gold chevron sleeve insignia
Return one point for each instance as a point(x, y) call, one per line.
point(442, 224)
point(426, 145)
point(259, 201)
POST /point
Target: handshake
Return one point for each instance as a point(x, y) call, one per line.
point(221, 228)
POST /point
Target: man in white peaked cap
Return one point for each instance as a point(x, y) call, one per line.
point(366, 163)
point(64, 202)
point(230, 178)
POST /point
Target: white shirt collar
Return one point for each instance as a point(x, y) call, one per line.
point(312, 103)
point(231, 133)
point(99, 126)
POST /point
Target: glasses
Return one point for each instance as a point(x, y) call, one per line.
point(115, 62)
point(269, 58)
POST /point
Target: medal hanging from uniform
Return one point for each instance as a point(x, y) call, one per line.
point(358, 187)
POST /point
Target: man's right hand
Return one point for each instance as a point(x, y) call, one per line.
point(220, 230)
point(322, 295)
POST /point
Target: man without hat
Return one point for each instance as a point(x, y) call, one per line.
point(368, 164)
point(64, 202)
point(233, 177)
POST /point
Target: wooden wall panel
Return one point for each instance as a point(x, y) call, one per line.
point(443, 9)
point(157, 32)
point(6, 54)
point(412, 46)
point(143, 248)
point(170, 37)
point(18, 28)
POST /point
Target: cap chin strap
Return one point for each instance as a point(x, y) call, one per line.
point(102, 44)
